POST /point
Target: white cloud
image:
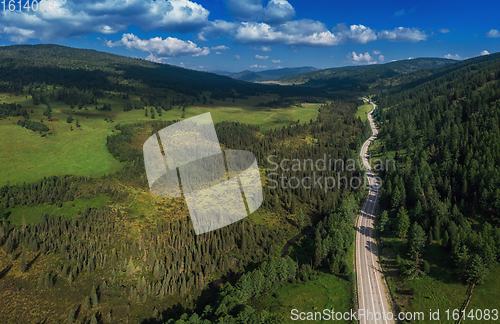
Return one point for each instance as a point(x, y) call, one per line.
point(258, 66)
point(399, 13)
point(156, 59)
point(361, 58)
point(218, 53)
point(303, 32)
point(375, 52)
point(18, 35)
point(220, 48)
point(262, 48)
point(381, 58)
point(355, 33)
point(237, 57)
point(485, 52)
point(260, 57)
point(453, 57)
point(444, 30)
point(72, 18)
point(276, 11)
point(217, 28)
point(276, 61)
point(493, 33)
point(402, 34)
point(169, 47)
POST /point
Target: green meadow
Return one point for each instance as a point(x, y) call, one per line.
point(363, 111)
point(25, 156)
point(31, 214)
point(440, 289)
point(325, 292)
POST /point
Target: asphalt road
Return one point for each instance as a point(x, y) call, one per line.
point(372, 295)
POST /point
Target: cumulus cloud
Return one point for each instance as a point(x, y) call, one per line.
point(276, 61)
point(276, 11)
point(18, 35)
point(311, 33)
point(258, 66)
point(169, 47)
point(453, 57)
point(402, 34)
point(493, 33)
point(156, 59)
point(355, 33)
point(217, 28)
point(375, 52)
point(485, 52)
point(260, 57)
point(444, 30)
point(381, 58)
point(303, 32)
point(220, 48)
point(237, 57)
point(361, 58)
point(72, 18)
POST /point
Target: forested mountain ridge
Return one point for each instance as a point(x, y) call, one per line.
point(270, 75)
point(443, 197)
point(21, 65)
point(365, 77)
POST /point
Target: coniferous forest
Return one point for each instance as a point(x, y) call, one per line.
point(444, 193)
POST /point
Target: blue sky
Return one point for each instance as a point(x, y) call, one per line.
point(236, 35)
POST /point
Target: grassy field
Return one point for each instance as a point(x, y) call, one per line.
point(440, 289)
point(326, 292)
point(26, 156)
point(363, 111)
point(32, 214)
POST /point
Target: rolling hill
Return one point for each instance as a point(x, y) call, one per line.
point(364, 77)
point(270, 75)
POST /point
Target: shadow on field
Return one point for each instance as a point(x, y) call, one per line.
point(5, 271)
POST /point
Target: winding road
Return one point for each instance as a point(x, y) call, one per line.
point(373, 300)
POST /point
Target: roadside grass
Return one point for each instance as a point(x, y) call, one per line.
point(69, 209)
point(486, 296)
point(327, 291)
point(363, 111)
point(26, 157)
point(440, 289)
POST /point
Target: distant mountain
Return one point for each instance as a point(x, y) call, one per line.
point(220, 72)
point(363, 77)
point(270, 75)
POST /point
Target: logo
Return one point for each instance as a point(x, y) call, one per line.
point(220, 187)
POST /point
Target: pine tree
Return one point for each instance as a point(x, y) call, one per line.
point(403, 222)
point(71, 317)
point(23, 261)
point(477, 271)
point(300, 219)
point(93, 296)
point(416, 243)
point(384, 218)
